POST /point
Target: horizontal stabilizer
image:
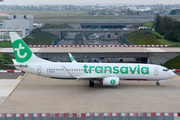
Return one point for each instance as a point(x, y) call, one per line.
point(21, 65)
point(16, 65)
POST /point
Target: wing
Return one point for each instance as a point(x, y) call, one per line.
point(93, 76)
point(90, 77)
point(85, 77)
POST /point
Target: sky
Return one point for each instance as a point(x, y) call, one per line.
point(87, 2)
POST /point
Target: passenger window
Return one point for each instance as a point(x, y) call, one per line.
point(144, 70)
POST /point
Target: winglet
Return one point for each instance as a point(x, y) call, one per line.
point(72, 58)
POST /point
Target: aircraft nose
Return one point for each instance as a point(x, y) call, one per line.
point(172, 74)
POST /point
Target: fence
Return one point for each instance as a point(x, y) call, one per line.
point(44, 46)
point(11, 71)
point(90, 116)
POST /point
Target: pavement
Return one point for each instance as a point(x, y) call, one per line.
point(36, 94)
point(124, 19)
point(6, 87)
point(110, 49)
point(10, 75)
point(96, 49)
point(8, 82)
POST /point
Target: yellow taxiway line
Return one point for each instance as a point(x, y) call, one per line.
point(178, 76)
point(19, 77)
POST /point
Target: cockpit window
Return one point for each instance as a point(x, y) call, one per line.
point(165, 70)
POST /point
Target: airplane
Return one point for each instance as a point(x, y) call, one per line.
point(105, 73)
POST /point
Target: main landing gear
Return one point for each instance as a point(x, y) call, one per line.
point(157, 83)
point(91, 83)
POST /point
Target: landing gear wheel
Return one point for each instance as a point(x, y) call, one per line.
point(91, 83)
point(157, 83)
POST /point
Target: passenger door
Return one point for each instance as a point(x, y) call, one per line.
point(156, 71)
point(39, 69)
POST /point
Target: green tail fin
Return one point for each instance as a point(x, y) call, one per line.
point(21, 50)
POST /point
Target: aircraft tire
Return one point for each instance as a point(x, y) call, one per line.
point(157, 83)
point(91, 83)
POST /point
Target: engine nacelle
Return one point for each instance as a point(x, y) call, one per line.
point(111, 81)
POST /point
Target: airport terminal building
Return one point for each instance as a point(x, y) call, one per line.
point(22, 24)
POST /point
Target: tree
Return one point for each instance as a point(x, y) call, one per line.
point(129, 12)
point(168, 24)
point(156, 22)
point(91, 13)
point(173, 12)
point(168, 27)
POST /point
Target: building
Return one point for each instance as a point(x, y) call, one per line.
point(38, 25)
point(22, 24)
point(4, 33)
point(176, 6)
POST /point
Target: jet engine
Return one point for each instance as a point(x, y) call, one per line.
point(111, 81)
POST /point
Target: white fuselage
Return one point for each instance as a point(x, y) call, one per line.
point(125, 71)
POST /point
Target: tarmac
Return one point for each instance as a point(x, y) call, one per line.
point(36, 94)
point(10, 75)
point(8, 82)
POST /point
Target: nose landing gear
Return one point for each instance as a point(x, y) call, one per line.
point(157, 83)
